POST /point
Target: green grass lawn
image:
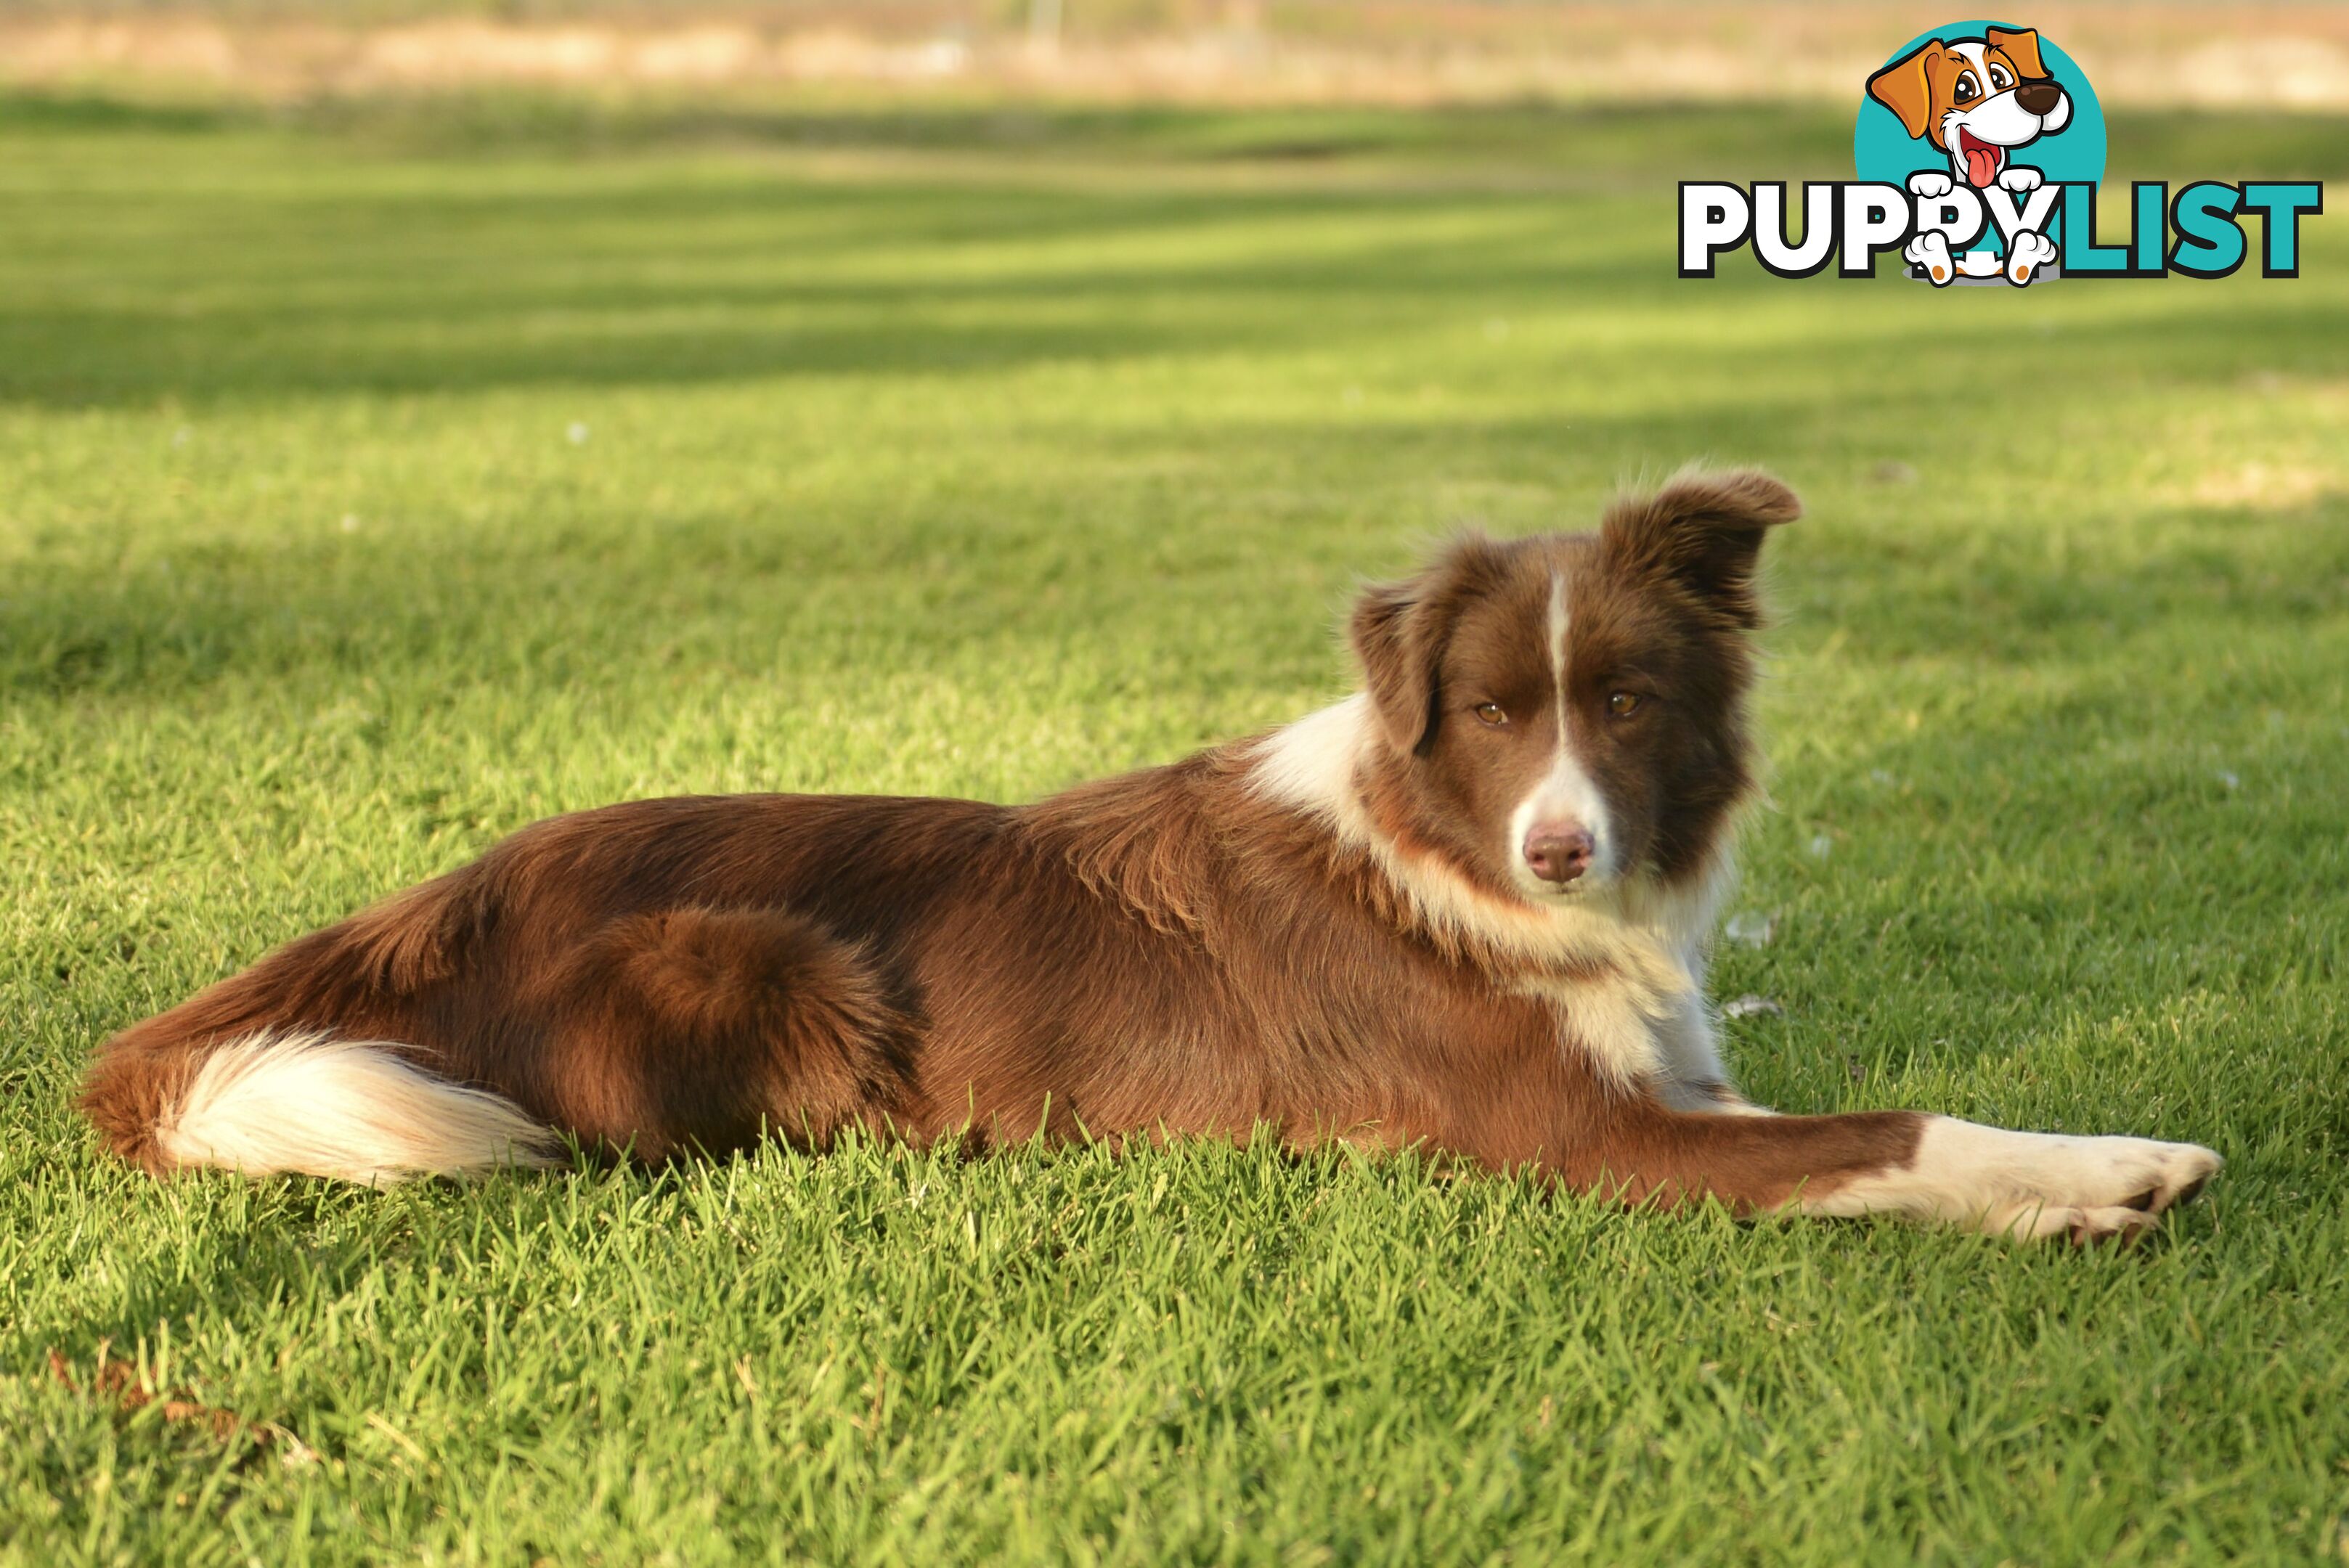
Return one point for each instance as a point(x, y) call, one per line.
point(374, 481)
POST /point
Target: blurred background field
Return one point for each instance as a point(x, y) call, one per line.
point(391, 457)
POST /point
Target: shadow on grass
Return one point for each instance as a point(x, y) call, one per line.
point(342, 608)
point(517, 330)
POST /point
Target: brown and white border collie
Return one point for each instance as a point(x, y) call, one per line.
point(1466, 910)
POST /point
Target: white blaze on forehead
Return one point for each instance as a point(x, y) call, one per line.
point(1557, 624)
point(1567, 794)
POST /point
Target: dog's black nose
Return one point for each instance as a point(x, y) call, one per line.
point(1559, 851)
point(2039, 98)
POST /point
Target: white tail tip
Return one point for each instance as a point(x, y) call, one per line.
point(276, 1102)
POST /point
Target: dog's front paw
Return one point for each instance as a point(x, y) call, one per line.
point(2027, 1185)
point(2025, 254)
point(2018, 179)
point(1925, 182)
point(2143, 1173)
point(2088, 1188)
point(1930, 251)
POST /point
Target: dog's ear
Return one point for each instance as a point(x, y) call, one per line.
point(1399, 631)
point(1705, 532)
point(2022, 47)
point(1906, 87)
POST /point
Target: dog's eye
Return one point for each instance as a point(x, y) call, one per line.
point(1967, 89)
point(1623, 704)
point(1490, 712)
point(2000, 79)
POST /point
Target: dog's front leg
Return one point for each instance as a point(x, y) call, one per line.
point(2019, 1184)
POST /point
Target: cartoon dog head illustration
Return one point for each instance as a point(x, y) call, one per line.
point(1975, 98)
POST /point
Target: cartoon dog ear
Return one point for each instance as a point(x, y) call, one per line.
point(1704, 530)
point(2022, 47)
point(1904, 87)
point(1399, 631)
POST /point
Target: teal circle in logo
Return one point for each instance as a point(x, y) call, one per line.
point(1883, 149)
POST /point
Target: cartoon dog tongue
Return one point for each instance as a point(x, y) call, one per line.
point(1981, 158)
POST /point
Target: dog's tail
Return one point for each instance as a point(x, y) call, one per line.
point(306, 1102)
point(289, 1067)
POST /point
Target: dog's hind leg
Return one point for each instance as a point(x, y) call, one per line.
point(690, 1028)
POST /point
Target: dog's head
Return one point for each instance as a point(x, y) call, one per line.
point(1974, 98)
point(1559, 714)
